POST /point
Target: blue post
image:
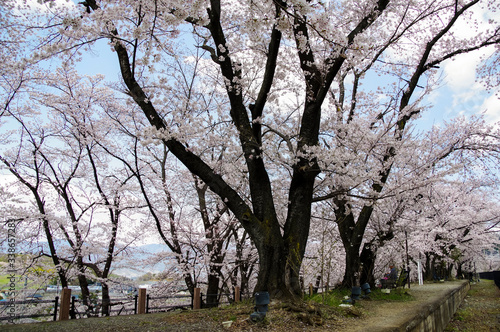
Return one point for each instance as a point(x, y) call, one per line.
point(261, 308)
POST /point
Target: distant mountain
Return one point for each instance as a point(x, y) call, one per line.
point(142, 254)
point(153, 248)
point(136, 254)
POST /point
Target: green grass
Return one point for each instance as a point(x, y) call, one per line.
point(480, 311)
point(332, 298)
point(396, 295)
point(4, 280)
point(20, 284)
point(336, 296)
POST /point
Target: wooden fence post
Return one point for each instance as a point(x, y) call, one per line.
point(237, 295)
point(65, 304)
point(141, 301)
point(197, 299)
point(56, 306)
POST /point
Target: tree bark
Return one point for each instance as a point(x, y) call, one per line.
point(272, 270)
point(351, 235)
point(106, 300)
point(368, 255)
point(367, 259)
point(352, 261)
point(84, 288)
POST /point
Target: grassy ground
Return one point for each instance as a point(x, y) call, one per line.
point(4, 280)
point(317, 313)
point(480, 310)
point(279, 318)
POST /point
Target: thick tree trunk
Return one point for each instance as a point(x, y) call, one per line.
point(351, 236)
point(272, 269)
point(212, 297)
point(368, 255)
point(367, 259)
point(279, 269)
point(84, 289)
point(297, 225)
point(352, 261)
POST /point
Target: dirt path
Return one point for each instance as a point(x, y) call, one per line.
point(387, 316)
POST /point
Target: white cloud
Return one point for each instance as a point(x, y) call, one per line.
point(469, 96)
point(44, 5)
point(460, 73)
point(492, 107)
point(478, 20)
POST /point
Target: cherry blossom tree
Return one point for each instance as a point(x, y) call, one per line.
point(169, 202)
point(25, 167)
point(62, 166)
point(286, 69)
point(464, 223)
point(445, 154)
point(448, 230)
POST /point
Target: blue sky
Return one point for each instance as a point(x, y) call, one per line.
point(461, 93)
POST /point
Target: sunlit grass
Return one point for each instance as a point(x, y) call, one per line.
point(337, 296)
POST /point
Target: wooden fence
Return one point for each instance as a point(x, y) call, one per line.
point(142, 302)
point(9, 309)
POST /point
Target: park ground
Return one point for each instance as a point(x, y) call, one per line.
point(479, 312)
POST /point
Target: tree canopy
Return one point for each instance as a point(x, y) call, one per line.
point(277, 106)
